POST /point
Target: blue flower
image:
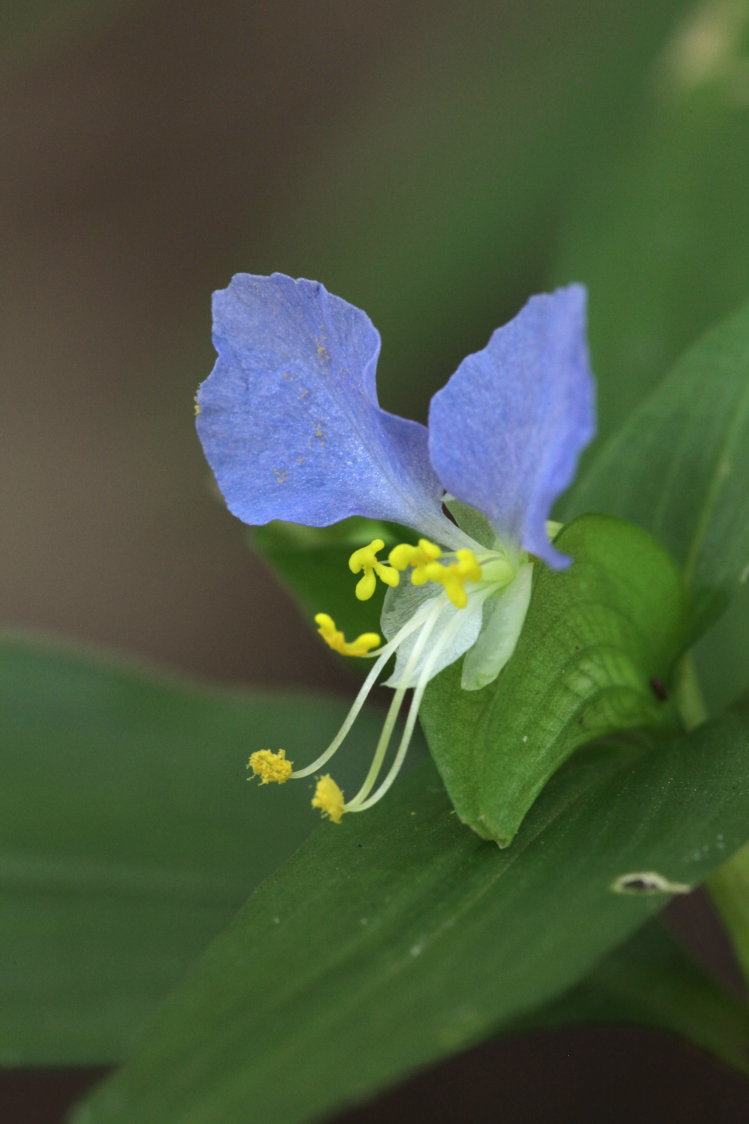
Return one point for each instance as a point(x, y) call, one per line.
point(291, 426)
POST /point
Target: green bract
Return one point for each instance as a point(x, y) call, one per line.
point(596, 656)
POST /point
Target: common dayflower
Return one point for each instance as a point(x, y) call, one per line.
point(291, 426)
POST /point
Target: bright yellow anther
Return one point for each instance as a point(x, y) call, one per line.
point(329, 799)
point(365, 561)
point(404, 555)
point(400, 556)
point(454, 576)
point(467, 565)
point(270, 766)
point(335, 639)
point(421, 556)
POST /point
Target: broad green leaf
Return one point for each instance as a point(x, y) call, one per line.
point(650, 981)
point(129, 837)
point(596, 638)
point(679, 467)
point(400, 937)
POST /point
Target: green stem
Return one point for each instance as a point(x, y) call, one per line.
point(688, 693)
point(728, 886)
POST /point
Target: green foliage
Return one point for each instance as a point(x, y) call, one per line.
point(595, 637)
point(650, 981)
point(399, 936)
point(128, 838)
point(679, 467)
point(658, 229)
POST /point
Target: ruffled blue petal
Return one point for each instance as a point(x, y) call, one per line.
point(506, 431)
point(289, 418)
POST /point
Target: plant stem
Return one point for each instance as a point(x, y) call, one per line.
point(728, 886)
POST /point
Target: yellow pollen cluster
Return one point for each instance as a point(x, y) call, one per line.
point(427, 567)
point(455, 575)
point(365, 561)
point(269, 766)
point(329, 799)
point(335, 639)
point(419, 557)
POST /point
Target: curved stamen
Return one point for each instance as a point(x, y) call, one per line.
point(394, 708)
point(364, 561)
point(359, 805)
point(386, 652)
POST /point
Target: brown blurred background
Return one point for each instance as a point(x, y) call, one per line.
point(419, 159)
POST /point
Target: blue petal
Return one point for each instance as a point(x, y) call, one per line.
point(506, 431)
point(289, 418)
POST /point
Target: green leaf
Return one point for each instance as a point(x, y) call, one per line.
point(129, 837)
point(596, 636)
point(399, 937)
point(650, 981)
point(679, 467)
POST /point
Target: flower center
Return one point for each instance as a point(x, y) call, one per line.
point(422, 645)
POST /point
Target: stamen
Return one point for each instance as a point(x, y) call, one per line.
point(336, 640)
point(358, 804)
point(395, 706)
point(365, 561)
point(491, 570)
point(426, 560)
point(405, 555)
point(454, 576)
point(269, 766)
point(383, 656)
point(329, 799)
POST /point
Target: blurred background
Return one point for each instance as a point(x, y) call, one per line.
point(432, 163)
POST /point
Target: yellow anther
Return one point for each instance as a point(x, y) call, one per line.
point(365, 561)
point(335, 639)
point(419, 557)
point(467, 565)
point(454, 576)
point(400, 556)
point(270, 766)
point(404, 555)
point(329, 799)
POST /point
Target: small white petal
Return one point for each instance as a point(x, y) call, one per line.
point(453, 632)
point(504, 614)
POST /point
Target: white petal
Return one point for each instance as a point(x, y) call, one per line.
point(504, 614)
point(453, 630)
